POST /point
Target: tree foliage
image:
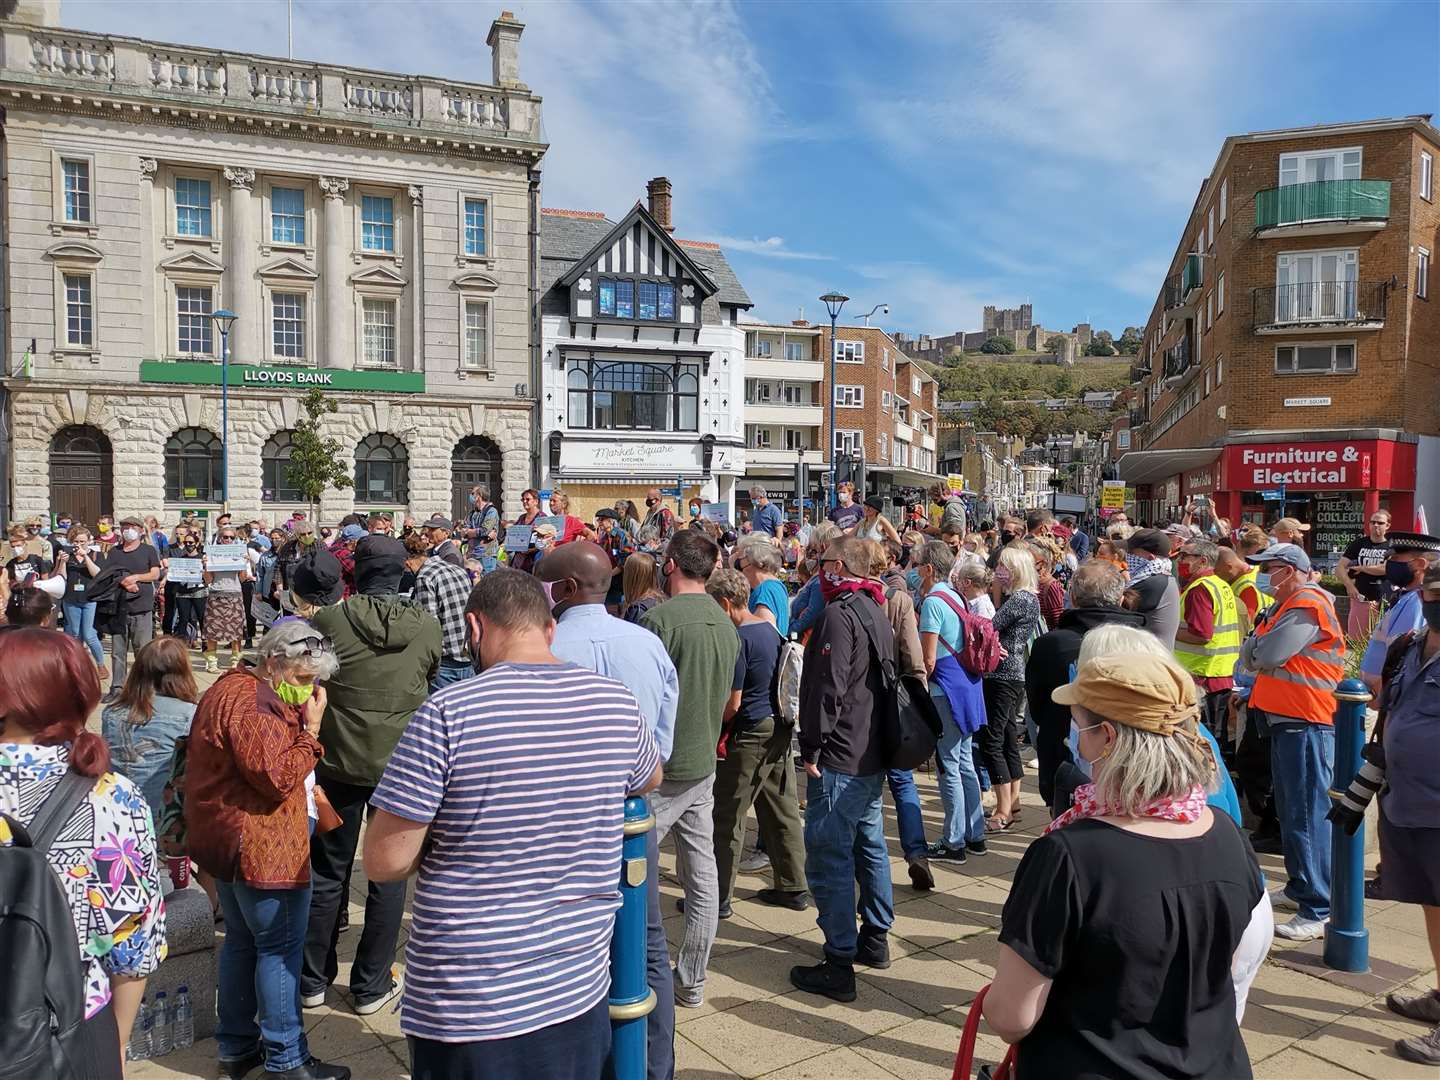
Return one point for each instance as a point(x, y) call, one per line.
point(1100, 348)
point(1129, 343)
point(996, 345)
point(316, 461)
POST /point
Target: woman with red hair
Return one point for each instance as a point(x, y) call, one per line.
point(105, 857)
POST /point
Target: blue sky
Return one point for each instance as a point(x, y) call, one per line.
point(933, 156)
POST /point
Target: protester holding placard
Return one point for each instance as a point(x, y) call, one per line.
point(225, 605)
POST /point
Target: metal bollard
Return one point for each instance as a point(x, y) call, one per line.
point(631, 998)
point(1347, 942)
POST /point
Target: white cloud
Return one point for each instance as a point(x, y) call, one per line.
point(772, 247)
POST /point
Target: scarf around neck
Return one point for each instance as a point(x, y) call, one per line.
point(1187, 808)
point(836, 586)
point(1152, 568)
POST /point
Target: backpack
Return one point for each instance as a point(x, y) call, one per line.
point(789, 667)
point(980, 649)
point(43, 1011)
point(910, 725)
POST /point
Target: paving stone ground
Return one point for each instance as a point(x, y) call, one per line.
point(906, 1022)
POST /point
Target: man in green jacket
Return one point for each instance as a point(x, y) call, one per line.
point(389, 648)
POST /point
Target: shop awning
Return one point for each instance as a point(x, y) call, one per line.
point(1149, 466)
point(903, 477)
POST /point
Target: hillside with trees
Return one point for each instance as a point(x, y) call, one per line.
point(1010, 390)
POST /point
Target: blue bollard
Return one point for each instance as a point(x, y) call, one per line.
point(631, 999)
point(1347, 942)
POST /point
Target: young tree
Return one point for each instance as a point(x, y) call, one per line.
point(316, 462)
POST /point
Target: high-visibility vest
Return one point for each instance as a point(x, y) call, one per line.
point(1215, 659)
point(1304, 687)
point(1246, 583)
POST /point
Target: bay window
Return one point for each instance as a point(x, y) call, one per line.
point(625, 395)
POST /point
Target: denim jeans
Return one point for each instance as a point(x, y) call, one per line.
point(80, 624)
point(907, 812)
point(688, 807)
point(1302, 765)
point(260, 974)
point(845, 844)
point(959, 785)
point(451, 671)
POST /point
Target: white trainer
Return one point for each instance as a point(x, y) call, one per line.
point(1301, 929)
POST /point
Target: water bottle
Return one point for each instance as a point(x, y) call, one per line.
point(139, 1048)
point(184, 1019)
point(160, 1030)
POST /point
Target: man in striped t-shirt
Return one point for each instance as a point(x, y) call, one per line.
point(506, 793)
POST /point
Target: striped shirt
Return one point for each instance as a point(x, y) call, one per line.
point(519, 884)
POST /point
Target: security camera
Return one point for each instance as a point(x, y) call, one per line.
point(884, 309)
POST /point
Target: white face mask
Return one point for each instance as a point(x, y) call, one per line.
point(131, 535)
point(18, 549)
point(844, 498)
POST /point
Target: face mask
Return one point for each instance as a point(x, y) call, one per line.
point(130, 535)
point(1399, 574)
point(1431, 610)
point(845, 498)
point(307, 539)
point(65, 524)
point(1184, 572)
point(18, 549)
point(1262, 582)
point(912, 579)
point(474, 501)
point(1006, 536)
point(651, 502)
point(103, 528)
point(694, 511)
point(1003, 577)
point(292, 694)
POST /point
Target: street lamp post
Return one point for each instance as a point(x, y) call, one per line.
point(224, 319)
point(833, 302)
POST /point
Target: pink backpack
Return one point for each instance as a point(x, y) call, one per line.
point(980, 651)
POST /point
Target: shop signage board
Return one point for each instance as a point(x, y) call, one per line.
point(1306, 402)
point(616, 458)
point(1336, 521)
point(280, 377)
point(1340, 465)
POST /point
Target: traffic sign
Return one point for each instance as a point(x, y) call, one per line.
point(1273, 495)
point(675, 491)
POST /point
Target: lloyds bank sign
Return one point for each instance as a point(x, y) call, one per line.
point(280, 377)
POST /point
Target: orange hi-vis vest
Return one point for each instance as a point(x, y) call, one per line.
point(1305, 686)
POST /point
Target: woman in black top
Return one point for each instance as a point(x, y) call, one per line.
point(1117, 939)
point(80, 568)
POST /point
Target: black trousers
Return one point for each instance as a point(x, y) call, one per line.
point(1000, 737)
point(189, 617)
point(95, 1050)
point(247, 593)
point(572, 1050)
point(331, 856)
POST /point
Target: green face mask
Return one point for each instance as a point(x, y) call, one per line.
point(307, 539)
point(292, 694)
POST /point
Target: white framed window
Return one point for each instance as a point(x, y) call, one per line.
point(287, 325)
point(193, 207)
point(1422, 273)
point(1324, 358)
point(1220, 294)
point(477, 335)
point(1224, 199)
point(917, 385)
point(849, 396)
point(194, 329)
point(1316, 165)
point(849, 441)
point(795, 350)
point(475, 213)
point(79, 311)
point(1207, 382)
point(1210, 225)
point(1316, 285)
point(762, 347)
point(884, 400)
point(1219, 370)
point(378, 319)
point(760, 438)
point(796, 439)
point(795, 393)
point(885, 360)
point(1209, 310)
point(76, 175)
point(883, 442)
point(287, 216)
point(377, 223)
point(850, 352)
point(1427, 175)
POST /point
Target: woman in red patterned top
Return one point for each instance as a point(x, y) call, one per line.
point(1052, 593)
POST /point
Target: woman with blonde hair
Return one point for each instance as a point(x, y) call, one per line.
point(1128, 923)
point(1017, 622)
point(639, 585)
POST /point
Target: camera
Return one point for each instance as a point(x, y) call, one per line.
point(1348, 810)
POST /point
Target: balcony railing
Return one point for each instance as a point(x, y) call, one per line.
point(1193, 276)
point(1319, 304)
point(1323, 201)
point(1177, 359)
point(1173, 295)
point(1138, 417)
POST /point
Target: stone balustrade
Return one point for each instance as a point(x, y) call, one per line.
point(73, 60)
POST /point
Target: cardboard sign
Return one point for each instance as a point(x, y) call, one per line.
point(226, 557)
point(557, 522)
point(1112, 495)
point(517, 537)
point(714, 511)
point(185, 571)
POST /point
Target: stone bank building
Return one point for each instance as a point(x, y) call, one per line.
point(372, 233)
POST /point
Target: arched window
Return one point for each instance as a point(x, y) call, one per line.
point(578, 382)
point(193, 466)
point(633, 396)
point(275, 485)
point(381, 470)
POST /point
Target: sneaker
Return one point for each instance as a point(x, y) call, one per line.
point(829, 978)
point(1422, 1049)
point(313, 1069)
point(795, 901)
point(1301, 929)
point(977, 847)
point(685, 996)
point(943, 852)
point(1280, 902)
point(1424, 1006)
point(754, 862)
point(315, 1000)
point(211, 665)
point(872, 948)
point(342, 921)
point(239, 1068)
point(1266, 844)
point(1374, 890)
point(921, 879)
point(365, 1008)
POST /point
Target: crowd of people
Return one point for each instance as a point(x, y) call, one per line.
point(1168, 691)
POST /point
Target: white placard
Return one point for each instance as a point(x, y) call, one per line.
point(184, 571)
point(225, 557)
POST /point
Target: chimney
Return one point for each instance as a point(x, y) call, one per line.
point(799, 322)
point(659, 192)
point(504, 42)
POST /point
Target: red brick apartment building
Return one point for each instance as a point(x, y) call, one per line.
point(1292, 358)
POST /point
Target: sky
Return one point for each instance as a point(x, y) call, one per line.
point(935, 157)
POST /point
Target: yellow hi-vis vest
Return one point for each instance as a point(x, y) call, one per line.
point(1247, 581)
point(1216, 658)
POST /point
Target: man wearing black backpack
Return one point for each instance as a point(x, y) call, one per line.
point(842, 746)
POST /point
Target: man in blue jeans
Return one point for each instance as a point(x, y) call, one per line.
point(840, 745)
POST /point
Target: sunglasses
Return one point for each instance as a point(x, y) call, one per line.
point(312, 645)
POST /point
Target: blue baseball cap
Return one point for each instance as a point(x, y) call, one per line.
point(1293, 554)
point(352, 532)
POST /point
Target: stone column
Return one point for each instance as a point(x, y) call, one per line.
point(336, 350)
point(243, 298)
point(416, 291)
point(151, 338)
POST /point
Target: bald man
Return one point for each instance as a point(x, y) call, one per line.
point(577, 576)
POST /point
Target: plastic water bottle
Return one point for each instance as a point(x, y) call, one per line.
point(161, 1038)
point(183, 1019)
point(139, 1048)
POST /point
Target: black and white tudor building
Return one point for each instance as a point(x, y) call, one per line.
point(643, 358)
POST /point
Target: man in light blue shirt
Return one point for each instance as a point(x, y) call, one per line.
point(765, 517)
point(1410, 553)
point(577, 576)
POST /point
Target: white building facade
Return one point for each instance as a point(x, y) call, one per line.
point(643, 359)
point(370, 232)
point(784, 410)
